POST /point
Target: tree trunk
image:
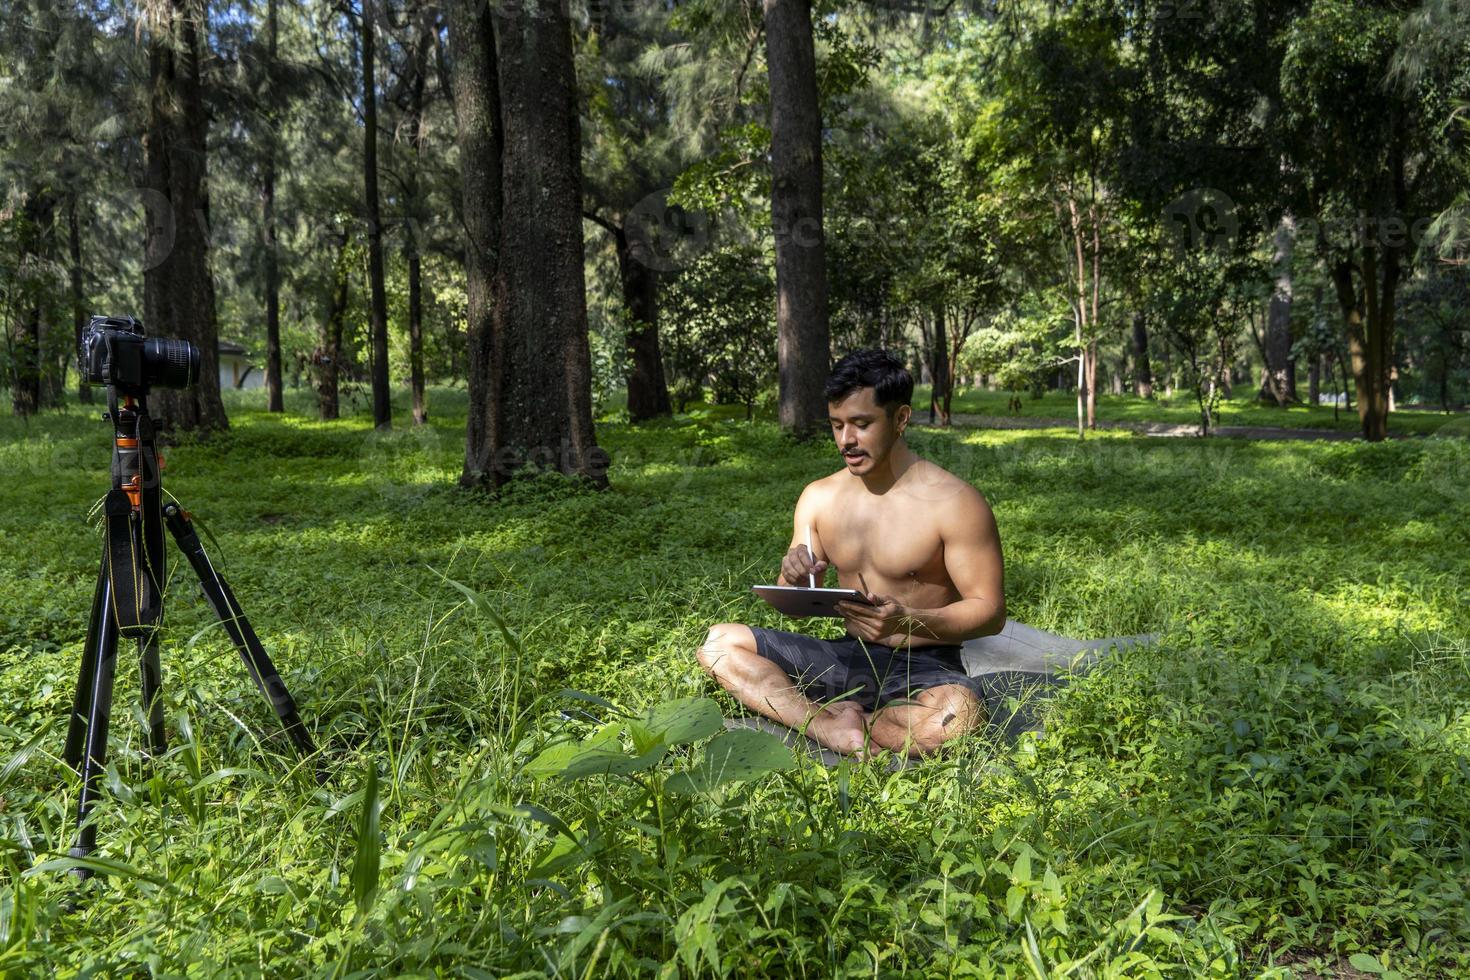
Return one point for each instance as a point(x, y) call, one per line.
point(1143, 376)
point(78, 292)
point(329, 351)
point(476, 89)
point(939, 370)
point(25, 381)
point(1369, 321)
point(24, 331)
point(1090, 360)
point(957, 337)
point(382, 406)
point(1314, 381)
point(178, 291)
point(648, 391)
point(1276, 384)
point(804, 347)
point(416, 337)
point(541, 369)
point(415, 124)
point(274, 402)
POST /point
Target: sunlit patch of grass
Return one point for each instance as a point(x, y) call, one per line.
point(1181, 409)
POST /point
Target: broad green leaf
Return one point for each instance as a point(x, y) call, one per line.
point(553, 760)
point(685, 720)
point(736, 755)
point(1021, 872)
point(1366, 962)
point(573, 760)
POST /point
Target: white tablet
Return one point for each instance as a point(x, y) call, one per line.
point(799, 601)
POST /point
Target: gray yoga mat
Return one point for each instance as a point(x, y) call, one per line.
point(1018, 669)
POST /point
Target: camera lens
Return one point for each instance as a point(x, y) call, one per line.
point(170, 363)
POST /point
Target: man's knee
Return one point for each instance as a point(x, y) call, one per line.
point(936, 716)
point(723, 641)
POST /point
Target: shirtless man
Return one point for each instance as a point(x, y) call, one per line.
point(920, 543)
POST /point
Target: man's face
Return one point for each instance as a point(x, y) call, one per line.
point(865, 432)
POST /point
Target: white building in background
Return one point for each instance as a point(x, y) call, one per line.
point(236, 369)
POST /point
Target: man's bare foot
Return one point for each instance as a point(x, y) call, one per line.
point(840, 728)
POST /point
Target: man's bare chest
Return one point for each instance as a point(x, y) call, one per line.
point(895, 540)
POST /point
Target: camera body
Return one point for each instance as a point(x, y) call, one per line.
point(114, 352)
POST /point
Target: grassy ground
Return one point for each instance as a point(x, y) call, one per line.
point(1243, 410)
point(1283, 781)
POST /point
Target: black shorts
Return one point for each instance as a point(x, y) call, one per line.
point(868, 674)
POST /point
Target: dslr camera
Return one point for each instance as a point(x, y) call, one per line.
point(114, 352)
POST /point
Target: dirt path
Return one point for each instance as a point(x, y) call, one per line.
point(1163, 429)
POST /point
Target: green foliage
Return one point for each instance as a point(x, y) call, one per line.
point(720, 326)
point(1281, 780)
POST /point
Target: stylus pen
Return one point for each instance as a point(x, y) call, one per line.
point(812, 575)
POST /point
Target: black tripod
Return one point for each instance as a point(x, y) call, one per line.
point(128, 603)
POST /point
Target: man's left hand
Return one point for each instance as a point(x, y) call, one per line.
point(882, 619)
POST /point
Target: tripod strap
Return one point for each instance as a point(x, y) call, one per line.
point(134, 604)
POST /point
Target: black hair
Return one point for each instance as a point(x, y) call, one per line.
point(877, 369)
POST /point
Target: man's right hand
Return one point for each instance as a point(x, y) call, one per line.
point(798, 566)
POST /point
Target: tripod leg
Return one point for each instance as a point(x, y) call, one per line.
point(102, 655)
point(227, 608)
point(151, 673)
point(150, 546)
point(76, 731)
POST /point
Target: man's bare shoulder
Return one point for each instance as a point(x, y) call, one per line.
point(828, 485)
point(932, 482)
point(819, 493)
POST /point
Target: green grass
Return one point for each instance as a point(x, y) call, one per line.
point(1283, 779)
point(1181, 409)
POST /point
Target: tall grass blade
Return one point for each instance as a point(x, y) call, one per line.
point(369, 848)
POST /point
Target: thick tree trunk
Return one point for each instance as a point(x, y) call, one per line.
point(648, 390)
point(1370, 322)
point(378, 300)
point(25, 381)
point(178, 290)
point(541, 300)
point(1143, 375)
point(1277, 384)
point(533, 405)
point(274, 402)
point(476, 89)
point(803, 346)
point(939, 370)
point(78, 291)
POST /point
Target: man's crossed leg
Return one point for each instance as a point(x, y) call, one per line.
point(859, 709)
